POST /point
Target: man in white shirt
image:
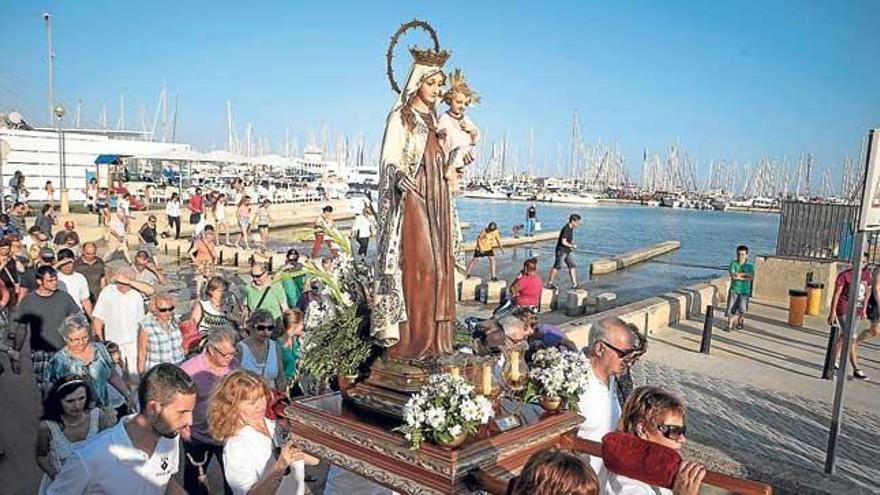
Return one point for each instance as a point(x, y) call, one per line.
point(362, 230)
point(74, 283)
point(141, 453)
point(117, 239)
point(610, 349)
point(119, 310)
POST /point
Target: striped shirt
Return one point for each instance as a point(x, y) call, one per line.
point(163, 346)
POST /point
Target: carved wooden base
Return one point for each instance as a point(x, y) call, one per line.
point(328, 428)
point(391, 382)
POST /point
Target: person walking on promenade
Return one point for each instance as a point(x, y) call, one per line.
point(159, 339)
point(263, 293)
point(840, 309)
point(204, 258)
point(531, 220)
point(92, 267)
point(69, 419)
point(487, 241)
point(243, 212)
point(149, 237)
point(323, 223)
point(75, 283)
point(68, 231)
point(196, 207)
point(263, 220)
point(741, 275)
point(172, 212)
point(91, 361)
point(39, 316)
point(564, 246)
point(118, 240)
point(102, 205)
point(363, 228)
point(207, 368)
point(873, 313)
point(261, 353)
point(119, 310)
point(554, 471)
point(140, 454)
point(220, 218)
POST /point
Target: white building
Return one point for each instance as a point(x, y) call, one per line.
point(36, 154)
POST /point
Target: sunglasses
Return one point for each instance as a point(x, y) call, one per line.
point(257, 275)
point(264, 328)
point(165, 310)
point(622, 354)
point(672, 432)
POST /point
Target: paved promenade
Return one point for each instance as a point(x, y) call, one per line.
point(757, 407)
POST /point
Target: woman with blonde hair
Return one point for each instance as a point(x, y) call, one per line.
point(237, 417)
point(159, 339)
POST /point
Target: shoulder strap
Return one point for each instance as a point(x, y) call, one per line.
point(210, 251)
point(263, 297)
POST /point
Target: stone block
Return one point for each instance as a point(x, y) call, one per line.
point(576, 300)
point(467, 288)
point(548, 300)
point(493, 291)
point(605, 300)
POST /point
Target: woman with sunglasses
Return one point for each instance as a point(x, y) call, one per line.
point(657, 416)
point(159, 339)
point(260, 353)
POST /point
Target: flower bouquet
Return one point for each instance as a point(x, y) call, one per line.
point(557, 378)
point(446, 410)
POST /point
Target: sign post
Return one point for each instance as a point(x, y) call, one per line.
point(869, 220)
point(4, 153)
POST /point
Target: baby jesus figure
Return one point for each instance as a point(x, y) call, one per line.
point(458, 133)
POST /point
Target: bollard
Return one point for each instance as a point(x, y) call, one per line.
point(828, 369)
point(235, 259)
point(271, 258)
point(706, 342)
point(220, 258)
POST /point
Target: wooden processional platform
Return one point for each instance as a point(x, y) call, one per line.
point(357, 440)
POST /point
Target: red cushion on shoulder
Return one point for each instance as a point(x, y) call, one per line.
point(628, 455)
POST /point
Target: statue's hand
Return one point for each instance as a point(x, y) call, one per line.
point(405, 182)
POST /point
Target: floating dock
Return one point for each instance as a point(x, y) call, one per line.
point(608, 265)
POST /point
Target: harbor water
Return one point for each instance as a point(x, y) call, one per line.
point(708, 242)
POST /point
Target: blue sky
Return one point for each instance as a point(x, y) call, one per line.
point(733, 80)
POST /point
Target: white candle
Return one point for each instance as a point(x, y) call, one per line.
point(487, 379)
point(514, 366)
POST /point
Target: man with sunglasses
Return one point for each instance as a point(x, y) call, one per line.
point(262, 293)
point(206, 369)
point(611, 351)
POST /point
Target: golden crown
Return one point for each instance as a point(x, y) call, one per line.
point(433, 58)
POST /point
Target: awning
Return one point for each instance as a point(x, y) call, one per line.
point(111, 159)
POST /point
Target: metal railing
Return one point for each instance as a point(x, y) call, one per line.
point(817, 231)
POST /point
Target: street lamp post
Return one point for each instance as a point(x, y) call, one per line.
point(51, 59)
point(62, 165)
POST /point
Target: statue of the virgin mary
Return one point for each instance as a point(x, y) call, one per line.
point(414, 296)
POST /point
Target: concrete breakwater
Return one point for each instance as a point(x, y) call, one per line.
point(608, 265)
point(516, 241)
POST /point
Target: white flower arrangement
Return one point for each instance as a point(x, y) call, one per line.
point(446, 407)
point(558, 373)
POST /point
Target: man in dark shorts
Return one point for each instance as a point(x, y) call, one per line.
point(564, 246)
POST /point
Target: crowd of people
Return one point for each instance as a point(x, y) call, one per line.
point(109, 352)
